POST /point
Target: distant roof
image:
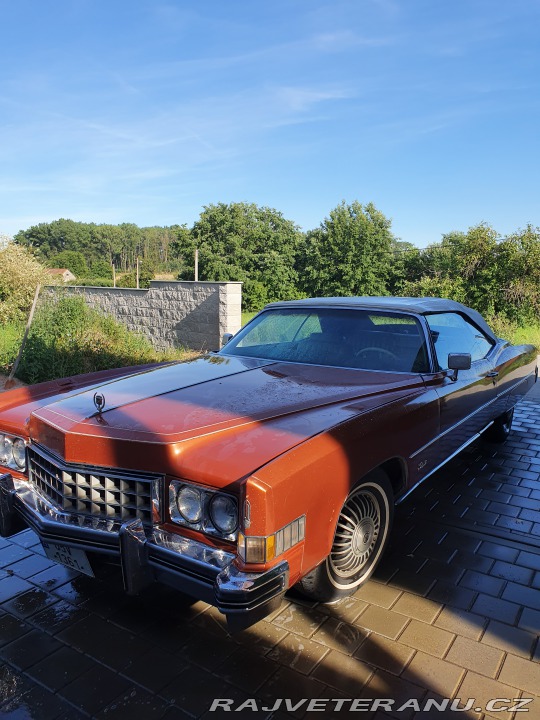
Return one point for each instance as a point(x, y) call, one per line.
point(57, 271)
point(421, 306)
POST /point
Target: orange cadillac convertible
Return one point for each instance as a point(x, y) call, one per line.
point(274, 462)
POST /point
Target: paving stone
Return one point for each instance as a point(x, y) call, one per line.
point(530, 620)
point(412, 582)
point(298, 653)
point(509, 638)
point(39, 703)
point(30, 565)
point(11, 586)
point(518, 672)
point(341, 636)
point(475, 656)
point(484, 689)
point(496, 608)
point(343, 672)
point(516, 524)
point(134, 703)
point(384, 653)
point(509, 571)
point(12, 685)
point(448, 593)
point(498, 552)
point(346, 610)
point(416, 607)
point(433, 673)
point(10, 554)
point(461, 622)
point(204, 649)
point(11, 628)
point(428, 638)
point(378, 594)
point(385, 685)
point(94, 689)
point(482, 583)
point(154, 669)
point(60, 668)
point(29, 649)
point(246, 669)
point(57, 617)
point(263, 635)
point(29, 602)
point(384, 622)
point(523, 595)
point(295, 619)
point(288, 683)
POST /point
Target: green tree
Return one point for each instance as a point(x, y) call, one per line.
point(245, 242)
point(72, 260)
point(518, 276)
point(20, 274)
point(462, 267)
point(349, 254)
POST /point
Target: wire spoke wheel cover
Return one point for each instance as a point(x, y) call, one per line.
point(361, 534)
point(357, 532)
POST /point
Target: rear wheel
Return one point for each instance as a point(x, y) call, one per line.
point(500, 430)
point(361, 535)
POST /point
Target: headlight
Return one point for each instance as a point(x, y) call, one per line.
point(203, 509)
point(12, 452)
point(5, 450)
point(189, 503)
point(19, 453)
point(224, 513)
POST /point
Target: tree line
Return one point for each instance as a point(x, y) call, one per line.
point(352, 252)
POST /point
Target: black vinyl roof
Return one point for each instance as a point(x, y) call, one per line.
point(420, 306)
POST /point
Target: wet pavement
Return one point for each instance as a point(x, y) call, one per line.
point(453, 611)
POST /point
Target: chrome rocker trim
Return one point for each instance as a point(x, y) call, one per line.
point(155, 555)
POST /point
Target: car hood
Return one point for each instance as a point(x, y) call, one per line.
point(194, 402)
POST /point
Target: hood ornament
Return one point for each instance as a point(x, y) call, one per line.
point(99, 402)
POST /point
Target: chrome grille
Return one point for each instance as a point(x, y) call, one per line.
point(92, 491)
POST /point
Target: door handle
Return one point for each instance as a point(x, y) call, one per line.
point(493, 374)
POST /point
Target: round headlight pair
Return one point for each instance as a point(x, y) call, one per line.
point(12, 451)
point(222, 509)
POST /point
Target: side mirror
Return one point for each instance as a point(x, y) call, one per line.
point(458, 361)
point(226, 338)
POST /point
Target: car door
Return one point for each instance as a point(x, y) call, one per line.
point(465, 403)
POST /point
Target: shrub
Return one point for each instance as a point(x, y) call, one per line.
point(94, 282)
point(68, 337)
point(129, 280)
point(20, 273)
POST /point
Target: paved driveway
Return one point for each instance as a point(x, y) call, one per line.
point(453, 611)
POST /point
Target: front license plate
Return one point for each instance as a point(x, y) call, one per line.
point(70, 557)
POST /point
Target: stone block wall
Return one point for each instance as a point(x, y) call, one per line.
point(172, 313)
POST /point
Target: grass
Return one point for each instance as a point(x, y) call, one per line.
point(69, 338)
point(10, 340)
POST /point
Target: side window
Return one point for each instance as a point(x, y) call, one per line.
point(451, 333)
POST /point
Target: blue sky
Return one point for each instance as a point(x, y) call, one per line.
point(144, 111)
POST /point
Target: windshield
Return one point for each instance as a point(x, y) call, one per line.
point(339, 337)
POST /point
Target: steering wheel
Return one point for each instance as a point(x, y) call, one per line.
point(376, 351)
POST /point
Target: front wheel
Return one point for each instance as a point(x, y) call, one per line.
point(500, 430)
point(361, 535)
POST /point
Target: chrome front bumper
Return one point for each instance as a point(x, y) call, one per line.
point(147, 556)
